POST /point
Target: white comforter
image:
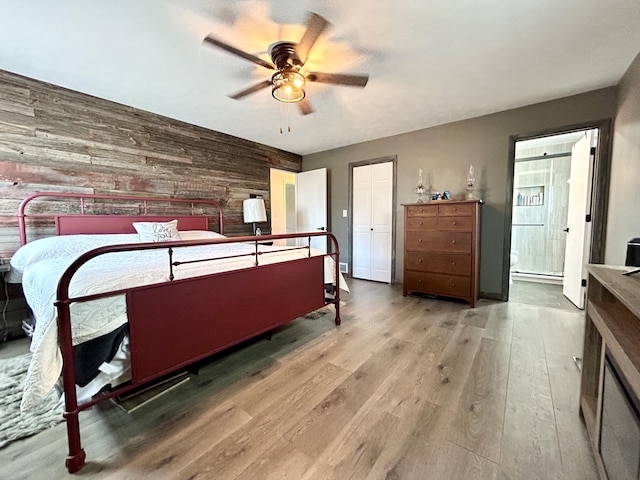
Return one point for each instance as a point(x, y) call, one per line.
point(41, 272)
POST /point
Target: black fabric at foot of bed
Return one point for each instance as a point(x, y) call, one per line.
point(88, 356)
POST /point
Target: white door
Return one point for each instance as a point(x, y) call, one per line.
point(311, 204)
point(578, 230)
point(372, 221)
point(361, 222)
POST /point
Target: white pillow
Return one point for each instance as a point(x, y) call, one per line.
point(157, 231)
point(199, 235)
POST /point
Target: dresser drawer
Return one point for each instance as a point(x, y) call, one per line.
point(456, 210)
point(422, 211)
point(421, 223)
point(439, 241)
point(455, 224)
point(438, 284)
point(451, 263)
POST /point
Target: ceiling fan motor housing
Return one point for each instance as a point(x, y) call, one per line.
point(284, 55)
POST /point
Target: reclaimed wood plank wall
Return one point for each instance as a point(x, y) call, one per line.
point(55, 139)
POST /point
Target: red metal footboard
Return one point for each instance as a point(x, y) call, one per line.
point(175, 323)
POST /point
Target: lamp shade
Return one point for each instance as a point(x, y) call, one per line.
point(288, 86)
point(254, 210)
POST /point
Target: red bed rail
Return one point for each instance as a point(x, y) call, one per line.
point(76, 456)
point(144, 202)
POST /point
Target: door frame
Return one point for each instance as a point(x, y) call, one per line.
point(599, 190)
point(394, 160)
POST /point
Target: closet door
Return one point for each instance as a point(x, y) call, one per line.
point(372, 221)
point(381, 220)
point(361, 257)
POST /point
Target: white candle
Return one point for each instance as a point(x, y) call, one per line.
point(419, 176)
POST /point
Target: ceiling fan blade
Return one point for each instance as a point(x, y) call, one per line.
point(315, 26)
point(305, 106)
point(339, 79)
point(247, 56)
point(252, 89)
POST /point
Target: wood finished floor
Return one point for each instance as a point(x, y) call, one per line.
point(542, 294)
point(407, 388)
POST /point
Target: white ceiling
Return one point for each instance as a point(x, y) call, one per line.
point(430, 61)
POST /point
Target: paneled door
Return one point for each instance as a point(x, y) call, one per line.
point(578, 230)
point(372, 224)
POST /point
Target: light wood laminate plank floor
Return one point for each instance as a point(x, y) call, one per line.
point(539, 293)
point(407, 388)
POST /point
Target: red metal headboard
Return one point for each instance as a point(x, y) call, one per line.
point(89, 223)
point(78, 224)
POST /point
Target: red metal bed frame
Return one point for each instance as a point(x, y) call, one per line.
point(161, 339)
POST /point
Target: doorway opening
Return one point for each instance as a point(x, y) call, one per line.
point(556, 211)
point(299, 203)
point(282, 186)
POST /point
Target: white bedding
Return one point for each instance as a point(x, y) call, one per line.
point(40, 265)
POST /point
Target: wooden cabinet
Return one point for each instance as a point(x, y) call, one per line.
point(442, 249)
point(610, 379)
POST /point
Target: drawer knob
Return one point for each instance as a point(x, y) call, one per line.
point(455, 223)
point(421, 223)
point(420, 281)
point(455, 209)
point(453, 263)
point(419, 240)
point(453, 242)
point(420, 260)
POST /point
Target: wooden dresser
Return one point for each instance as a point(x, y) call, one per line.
point(442, 249)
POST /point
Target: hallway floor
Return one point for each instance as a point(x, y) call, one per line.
point(541, 294)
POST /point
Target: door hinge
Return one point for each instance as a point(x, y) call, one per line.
point(583, 283)
point(587, 218)
point(593, 150)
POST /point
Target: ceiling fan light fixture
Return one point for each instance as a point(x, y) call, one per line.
point(288, 86)
point(287, 83)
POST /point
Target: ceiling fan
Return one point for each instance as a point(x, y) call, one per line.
point(288, 82)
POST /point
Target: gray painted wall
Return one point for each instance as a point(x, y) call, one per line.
point(445, 152)
point(624, 198)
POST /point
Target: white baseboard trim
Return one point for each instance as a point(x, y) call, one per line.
point(531, 277)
